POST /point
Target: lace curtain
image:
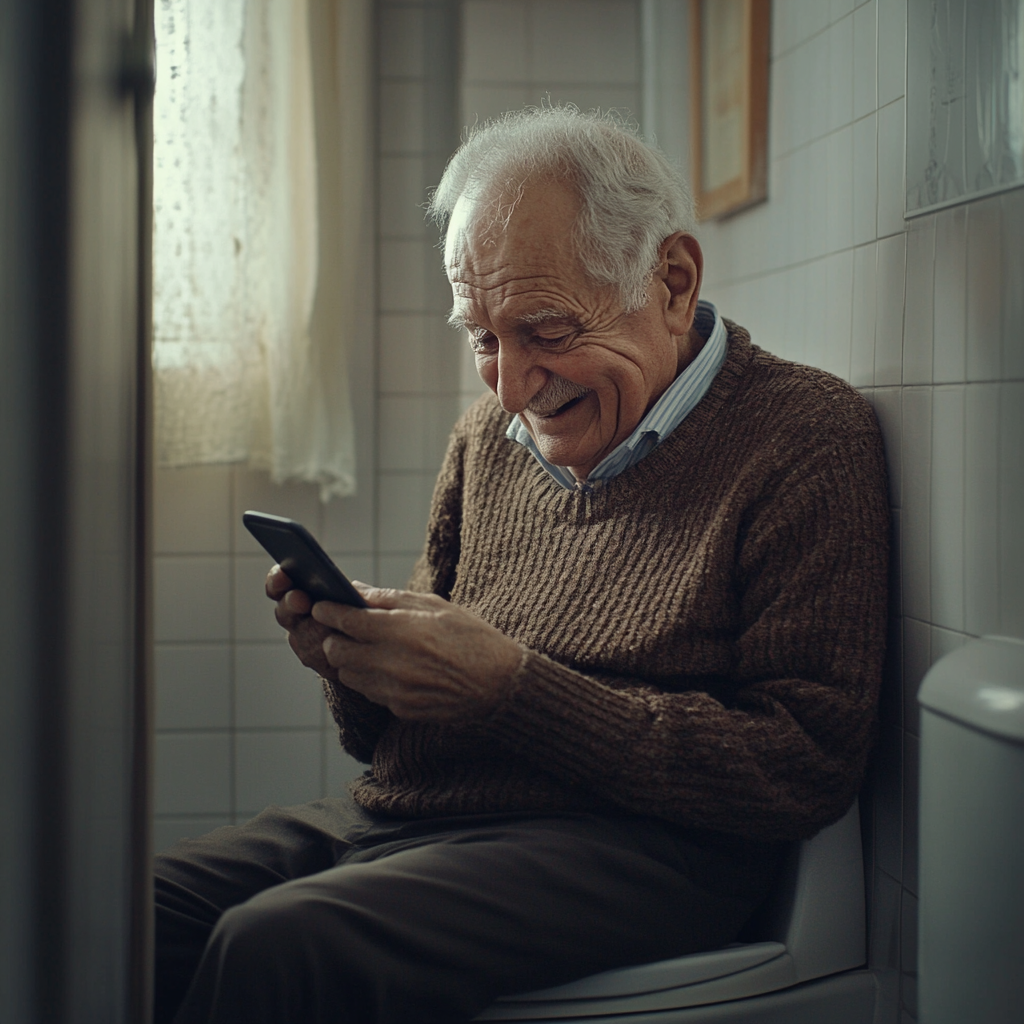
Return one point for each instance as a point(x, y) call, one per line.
point(239, 376)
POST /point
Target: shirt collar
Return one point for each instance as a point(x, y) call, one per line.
point(679, 399)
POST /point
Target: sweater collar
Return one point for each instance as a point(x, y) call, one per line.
point(678, 401)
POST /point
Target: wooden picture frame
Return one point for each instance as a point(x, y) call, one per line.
point(729, 52)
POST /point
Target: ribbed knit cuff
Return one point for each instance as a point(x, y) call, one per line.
point(573, 727)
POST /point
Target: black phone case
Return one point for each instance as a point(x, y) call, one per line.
point(295, 549)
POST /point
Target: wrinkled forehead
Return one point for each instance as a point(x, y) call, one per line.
point(532, 223)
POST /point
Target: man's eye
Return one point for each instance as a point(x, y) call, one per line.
point(483, 342)
point(562, 341)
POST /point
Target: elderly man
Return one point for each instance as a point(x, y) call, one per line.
point(640, 652)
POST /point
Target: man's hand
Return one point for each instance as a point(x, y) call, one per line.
point(293, 613)
point(417, 654)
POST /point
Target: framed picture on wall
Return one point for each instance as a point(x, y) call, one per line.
point(729, 50)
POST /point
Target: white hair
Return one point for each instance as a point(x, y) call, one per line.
point(631, 198)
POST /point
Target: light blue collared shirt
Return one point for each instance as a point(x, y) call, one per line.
point(678, 401)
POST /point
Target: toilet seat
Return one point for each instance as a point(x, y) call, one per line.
point(812, 928)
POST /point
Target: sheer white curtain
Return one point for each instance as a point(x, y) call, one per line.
point(238, 375)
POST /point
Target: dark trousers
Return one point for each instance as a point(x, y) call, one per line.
point(323, 913)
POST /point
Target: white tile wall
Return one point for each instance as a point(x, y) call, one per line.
point(936, 322)
point(928, 321)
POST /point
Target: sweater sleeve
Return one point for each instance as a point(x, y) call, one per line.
point(777, 749)
point(361, 722)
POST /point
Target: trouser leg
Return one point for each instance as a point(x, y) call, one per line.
point(432, 927)
point(199, 879)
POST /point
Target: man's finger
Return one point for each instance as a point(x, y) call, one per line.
point(278, 584)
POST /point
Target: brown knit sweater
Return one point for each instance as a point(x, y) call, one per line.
point(704, 633)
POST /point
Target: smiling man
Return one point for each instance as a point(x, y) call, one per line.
point(640, 653)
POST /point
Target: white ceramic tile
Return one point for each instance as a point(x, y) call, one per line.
point(917, 659)
point(780, 97)
point(798, 100)
point(817, 70)
point(865, 64)
point(840, 74)
point(862, 341)
point(891, 196)
point(916, 528)
point(839, 190)
point(945, 641)
point(414, 432)
point(192, 773)
point(348, 522)
point(1013, 285)
point(917, 318)
point(816, 325)
point(254, 490)
point(403, 277)
point(794, 344)
point(192, 597)
point(890, 273)
point(839, 9)
point(981, 510)
point(896, 566)
point(254, 611)
point(884, 937)
point(191, 510)
point(950, 294)
point(494, 41)
point(911, 773)
point(341, 769)
point(400, 42)
point(167, 831)
point(888, 403)
point(419, 353)
point(404, 511)
point(401, 118)
point(395, 570)
point(839, 312)
point(273, 688)
point(816, 209)
point(436, 287)
point(984, 276)
point(480, 102)
point(1011, 508)
point(594, 41)
point(403, 193)
point(892, 49)
point(781, 33)
point(277, 768)
point(908, 955)
point(947, 517)
point(865, 179)
point(193, 686)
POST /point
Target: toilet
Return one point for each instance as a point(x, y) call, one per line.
point(971, 860)
point(803, 962)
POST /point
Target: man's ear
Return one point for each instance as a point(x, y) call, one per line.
point(681, 269)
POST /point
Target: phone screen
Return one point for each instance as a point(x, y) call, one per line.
point(295, 549)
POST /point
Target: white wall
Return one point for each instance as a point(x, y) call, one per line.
point(240, 723)
point(926, 318)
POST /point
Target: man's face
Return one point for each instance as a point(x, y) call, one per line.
point(555, 348)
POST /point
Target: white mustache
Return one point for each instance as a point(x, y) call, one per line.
point(554, 395)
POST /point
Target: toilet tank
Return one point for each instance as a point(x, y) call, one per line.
point(971, 859)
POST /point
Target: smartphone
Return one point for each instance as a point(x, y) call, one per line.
point(295, 549)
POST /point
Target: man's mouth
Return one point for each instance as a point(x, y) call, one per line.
point(565, 407)
point(558, 396)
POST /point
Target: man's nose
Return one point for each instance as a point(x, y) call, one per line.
point(519, 376)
